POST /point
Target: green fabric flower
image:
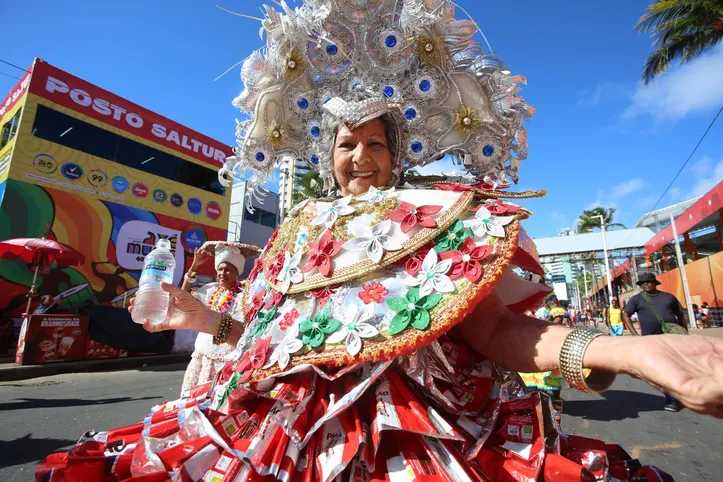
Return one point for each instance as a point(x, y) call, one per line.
point(452, 238)
point(263, 320)
point(233, 384)
point(411, 309)
point(315, 331)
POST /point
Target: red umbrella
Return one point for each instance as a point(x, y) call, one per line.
point(39, 251)
point(28, 249)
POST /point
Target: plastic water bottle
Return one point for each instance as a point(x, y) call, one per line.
point(151, 301)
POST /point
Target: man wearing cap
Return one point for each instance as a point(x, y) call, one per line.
point(646, 304)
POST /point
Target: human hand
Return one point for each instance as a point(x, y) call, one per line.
point(690, 368)
point(201, 255)
point(184, 313)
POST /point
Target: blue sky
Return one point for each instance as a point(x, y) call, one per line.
point(599, 136)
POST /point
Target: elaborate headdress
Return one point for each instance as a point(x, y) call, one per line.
point(233, 253)
point(451, 96)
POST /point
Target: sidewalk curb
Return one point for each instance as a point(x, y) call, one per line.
point(24, 372)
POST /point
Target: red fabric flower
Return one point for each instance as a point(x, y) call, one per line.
point(320, 254)
point(276, 298)
point(410, 215)
point(323, 294)
point(413, 265)
point(257, 302)
point(499, 208)
point(274, 268)
point(288, 320)
point(373, 292)
point(258, 352)
point(244, 364)
point(255, 270)
point(484, 186)
point(467, 260)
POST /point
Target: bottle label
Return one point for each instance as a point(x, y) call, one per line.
point(155, 273)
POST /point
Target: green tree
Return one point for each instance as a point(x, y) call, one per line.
point(310, 186)
point(588, 221)
point(681, 29)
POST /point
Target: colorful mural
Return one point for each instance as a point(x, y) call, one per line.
point(114, 238)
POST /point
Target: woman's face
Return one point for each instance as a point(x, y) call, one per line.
point(362, 158)
point(226, 274)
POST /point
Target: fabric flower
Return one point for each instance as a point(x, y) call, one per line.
point(376, 195)
point(373, 292)
point(452, 238)
point(409, 215)
point(321, 253)
point(354, 330)
point(499, 208)
point(276, 298)
point(413, 264)
point(373, 240)
point(244, 367)
point(324, 293)
point(258, 352)
point(328, 213)
point(263, 320)
point(432, 276)
point(315, 331)
point(274, 267)
point(257, 302)
point(258, 264)
point(485, 223)
point(290, 272)
point(290, 345)
point(466, 261)
point(288, 319)
point(411, 309)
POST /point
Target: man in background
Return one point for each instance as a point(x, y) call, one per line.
point(614, 319)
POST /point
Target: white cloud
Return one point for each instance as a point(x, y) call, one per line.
point(629, 187)
point(692, 87)
point(707, 179)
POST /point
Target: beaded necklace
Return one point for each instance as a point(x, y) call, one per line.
point(222, 299)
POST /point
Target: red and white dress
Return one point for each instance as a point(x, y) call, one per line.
point(349, 368)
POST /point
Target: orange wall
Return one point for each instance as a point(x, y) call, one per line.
point(705, 279)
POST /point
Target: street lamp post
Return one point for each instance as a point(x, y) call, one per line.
point(584, 277)
point(607, 261)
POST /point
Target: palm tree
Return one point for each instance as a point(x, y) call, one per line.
point(681, 29)
point(588, 220)
point(310, 186)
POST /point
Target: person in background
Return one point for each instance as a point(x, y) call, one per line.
point(222, 297)
point(614, 319)
point(705, 311)
point(48, 305)
point(650, 305)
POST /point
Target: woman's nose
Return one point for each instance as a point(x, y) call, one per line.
point(361, 154)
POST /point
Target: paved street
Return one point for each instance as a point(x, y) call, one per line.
point(48, 414)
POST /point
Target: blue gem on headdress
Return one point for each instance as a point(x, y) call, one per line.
point(389, 91)
point(314, 159)
point(390, 41)
point(417, 147)
point(332, 49)
point(260, 156)
point(303, 103)
point(315, 131)
point(410, 113)
point(425, 85)
point(488, 150)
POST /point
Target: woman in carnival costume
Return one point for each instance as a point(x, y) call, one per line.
point(379, 325)
point(221, 296)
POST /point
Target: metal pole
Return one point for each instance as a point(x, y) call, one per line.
point(607, 261)
point(684, 278)
point(32, 288)
point(584, 276)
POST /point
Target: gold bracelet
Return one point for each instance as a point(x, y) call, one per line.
point(224, 329)
point(571, 356)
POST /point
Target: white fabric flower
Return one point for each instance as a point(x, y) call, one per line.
point(484, 222)
point(328, 213)
point(354, 331)
point(290, 272)
point(376, 195)
point(374, 240)
point(288, 346)
point(432, 276)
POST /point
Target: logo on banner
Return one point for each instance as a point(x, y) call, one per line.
point(45, 163)
point(71, 171)
point(120, 184)
point(195, 206)
point(97, 178)
point(213, 210)
point(140, 190)
point(138, 238)
point(176, 200)
point(160, 196)
point(193, 238)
